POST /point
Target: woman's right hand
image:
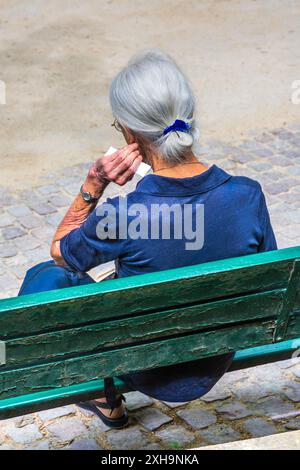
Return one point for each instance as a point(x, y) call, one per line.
point(119, 167)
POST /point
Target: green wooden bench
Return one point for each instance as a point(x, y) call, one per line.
point(59, 345)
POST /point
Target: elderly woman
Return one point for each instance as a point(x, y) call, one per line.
point(153, 106)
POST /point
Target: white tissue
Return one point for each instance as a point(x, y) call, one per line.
point(142, 169)
point(110, 151)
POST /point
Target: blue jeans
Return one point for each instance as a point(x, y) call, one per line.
point(176, 383)
point(49, 276)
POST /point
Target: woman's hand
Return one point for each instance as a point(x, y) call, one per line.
point(119, 167)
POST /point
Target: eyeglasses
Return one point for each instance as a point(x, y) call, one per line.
point(117, 126)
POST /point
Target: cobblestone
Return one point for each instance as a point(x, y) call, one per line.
point(251, 392)
point(296, 371)
point(174, 404)
point(42, 208)
point(16, 260)
point(22, 421)
point(6, 220)
point(278, 188)
point(8, 281)
point(7, 251)
point(19, 211)
point(6, 198)
point(27, 243)
point(48, 189)
point(38, 254)
point(24, 435)
point(151, 418)
point(252, 402)
point(219, 434)
point(197, 418)
point(293, 424)
point(258, 427)
point(48, 415)
point(40, 445)
point(152, 447)
point(219, 392)
point(276, 408)
point(263, 153)
point(44, 233)
point(136, 400)
point(174, 436)
point(293, 392)
point(131, 438)
point(67, 430)
point(95, 424)
point(60, 200)
point(72, 189)
point(84, 444)
point(12, 232)
point(54, 220)
point(30, 221)
point(233, 410)
point(266, 372)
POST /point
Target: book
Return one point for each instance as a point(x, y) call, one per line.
point(101, 272)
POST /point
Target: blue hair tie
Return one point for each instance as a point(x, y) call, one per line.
point(178, 125)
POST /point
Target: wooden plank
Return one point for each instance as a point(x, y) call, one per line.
point(293, 328)
point(148, 292)
point(264, 354)
point(296, 306)
point(39, 401)
point(289, 303)
point(134, 358)
point(146, 327)
point(31, 403)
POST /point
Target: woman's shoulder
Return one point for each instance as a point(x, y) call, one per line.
point(246, 183)
point(245, 189)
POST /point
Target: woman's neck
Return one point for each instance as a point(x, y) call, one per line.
point(190, 167)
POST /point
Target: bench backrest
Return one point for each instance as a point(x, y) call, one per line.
point(60, 338)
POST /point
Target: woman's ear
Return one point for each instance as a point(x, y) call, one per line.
point(129, 136)
point(143, 146)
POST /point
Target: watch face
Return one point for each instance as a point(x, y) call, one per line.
point(86, 196)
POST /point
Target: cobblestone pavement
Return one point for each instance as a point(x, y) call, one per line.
point(250, 403)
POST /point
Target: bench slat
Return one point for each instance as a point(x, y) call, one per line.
point(47, 311)
point(289, 305)
point(113, 305)
point(38, 401)
point(146, 327)
point(293, 328)
point(135, 358)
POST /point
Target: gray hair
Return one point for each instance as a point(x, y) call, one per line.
point(148, 95)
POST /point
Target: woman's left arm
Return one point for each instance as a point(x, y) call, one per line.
point(119, 168)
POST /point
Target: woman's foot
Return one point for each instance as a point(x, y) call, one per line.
point(115, 419)
point(116, 413)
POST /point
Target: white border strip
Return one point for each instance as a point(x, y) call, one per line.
point(2, 353)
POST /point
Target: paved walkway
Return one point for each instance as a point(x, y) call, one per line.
point(251, 403)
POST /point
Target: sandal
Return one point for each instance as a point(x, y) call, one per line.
point(113, 423)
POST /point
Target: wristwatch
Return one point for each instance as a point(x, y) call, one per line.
point(87, 197)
